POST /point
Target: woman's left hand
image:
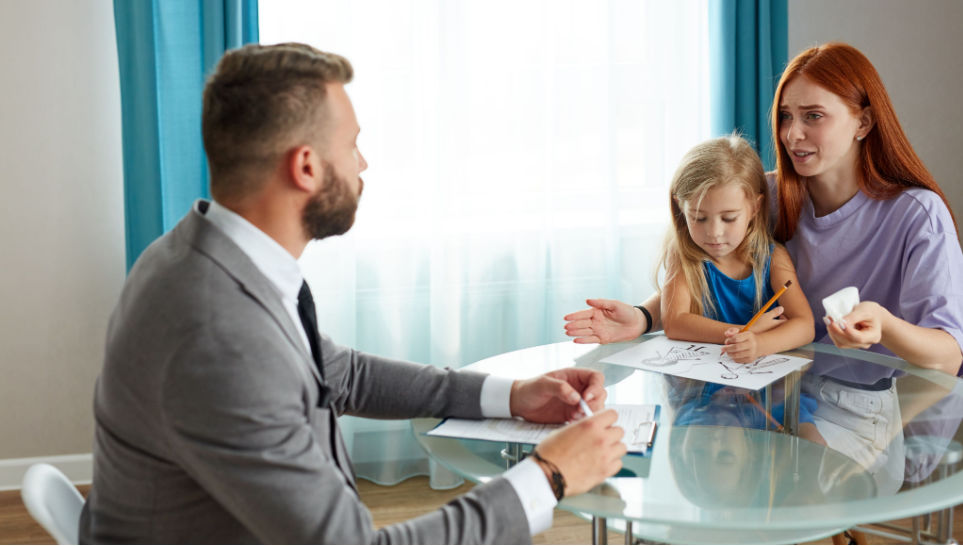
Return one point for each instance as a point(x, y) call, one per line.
point(860, 329)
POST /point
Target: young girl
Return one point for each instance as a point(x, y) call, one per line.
point(721, 264)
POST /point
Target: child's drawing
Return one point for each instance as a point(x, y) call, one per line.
point(705, 362)
point(675, 355)
point(733, 370)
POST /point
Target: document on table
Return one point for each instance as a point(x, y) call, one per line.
point(638, 420)
point(705, 362)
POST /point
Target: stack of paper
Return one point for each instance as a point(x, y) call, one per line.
point(638, 420)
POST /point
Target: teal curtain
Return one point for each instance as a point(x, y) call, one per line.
point(165, 50)
point(748, 47)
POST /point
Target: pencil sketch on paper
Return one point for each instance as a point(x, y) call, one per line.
point(705, 362)
point(763, 365)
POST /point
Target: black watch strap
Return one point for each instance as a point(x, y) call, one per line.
point(648, 318)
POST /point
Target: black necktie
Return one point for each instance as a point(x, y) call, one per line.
point(309, 319)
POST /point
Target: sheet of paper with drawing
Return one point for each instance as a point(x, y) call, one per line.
point(638, 420)
point(705, 362)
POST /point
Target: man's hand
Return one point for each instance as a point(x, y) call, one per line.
point(585, 452)
point(553, 397)
point(605, 321)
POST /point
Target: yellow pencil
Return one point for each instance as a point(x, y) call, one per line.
point(765, 307)
point(769, 416)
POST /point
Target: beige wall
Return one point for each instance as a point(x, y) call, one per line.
point(61, 218)
point(917, 47)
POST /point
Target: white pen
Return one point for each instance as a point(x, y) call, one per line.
point(585, 409)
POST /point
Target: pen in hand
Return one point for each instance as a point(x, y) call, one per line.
point(585, 407)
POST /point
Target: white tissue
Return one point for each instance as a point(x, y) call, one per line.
point(841, 303)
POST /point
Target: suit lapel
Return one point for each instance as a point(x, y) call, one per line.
point(212, 242)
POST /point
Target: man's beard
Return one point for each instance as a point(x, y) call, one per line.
point(330, 211)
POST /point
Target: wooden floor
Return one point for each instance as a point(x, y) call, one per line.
point(388, 505)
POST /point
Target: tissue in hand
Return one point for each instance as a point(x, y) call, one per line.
point(841, 303)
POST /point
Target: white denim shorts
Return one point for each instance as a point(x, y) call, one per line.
point(864, 425)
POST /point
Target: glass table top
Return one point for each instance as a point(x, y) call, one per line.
point(715, 474)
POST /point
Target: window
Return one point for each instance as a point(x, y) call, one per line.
point(520, 153)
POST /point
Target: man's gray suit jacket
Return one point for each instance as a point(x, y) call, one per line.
point(209, 426)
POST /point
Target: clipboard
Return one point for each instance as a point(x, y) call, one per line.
point(640, 422)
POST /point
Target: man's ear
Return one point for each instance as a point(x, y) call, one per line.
point(304, 167)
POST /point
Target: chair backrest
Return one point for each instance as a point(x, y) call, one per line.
point(53, 501)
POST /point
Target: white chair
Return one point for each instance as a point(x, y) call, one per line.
point(53, 501)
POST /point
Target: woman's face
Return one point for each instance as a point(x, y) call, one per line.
point(819, 131)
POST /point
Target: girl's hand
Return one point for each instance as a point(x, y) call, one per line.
point(860, 329)
point(742, 347)
point(769, 320)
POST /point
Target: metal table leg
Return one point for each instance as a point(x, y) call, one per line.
point(791, 412)
point(599, 531)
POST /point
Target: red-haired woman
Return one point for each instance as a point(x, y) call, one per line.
point(856, 207)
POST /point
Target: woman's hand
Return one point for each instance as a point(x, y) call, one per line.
point(870, 323)
point(860, 329)
point(605, 321)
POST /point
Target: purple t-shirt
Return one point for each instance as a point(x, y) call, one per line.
point(903, 253)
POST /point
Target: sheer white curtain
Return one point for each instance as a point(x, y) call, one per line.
point(520, 153)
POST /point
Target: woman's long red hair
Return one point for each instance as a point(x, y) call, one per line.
point(887, 163)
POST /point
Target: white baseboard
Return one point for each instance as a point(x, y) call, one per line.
point(78, 468)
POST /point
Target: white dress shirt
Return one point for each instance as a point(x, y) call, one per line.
point(282, 269)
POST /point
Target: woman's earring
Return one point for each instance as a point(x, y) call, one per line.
point(859, 138)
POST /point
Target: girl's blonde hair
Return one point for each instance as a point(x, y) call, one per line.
point(725, 160)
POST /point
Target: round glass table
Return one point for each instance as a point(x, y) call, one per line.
point(717, 473)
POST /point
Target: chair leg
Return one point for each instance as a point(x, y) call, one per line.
point(851, 536)
point(840, 538)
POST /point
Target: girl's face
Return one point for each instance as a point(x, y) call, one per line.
point(719, 222)
point(819, 131)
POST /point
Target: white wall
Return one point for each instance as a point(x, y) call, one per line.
point(61, 218)
point(917, 48)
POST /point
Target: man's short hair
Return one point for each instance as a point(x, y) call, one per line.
point(259, 103)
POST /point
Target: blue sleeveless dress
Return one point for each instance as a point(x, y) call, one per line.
point(735, 302)
point(734, 299)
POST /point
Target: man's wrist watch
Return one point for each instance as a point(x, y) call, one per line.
point(558, 481)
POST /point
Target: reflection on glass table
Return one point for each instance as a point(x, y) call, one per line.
point(717, 474)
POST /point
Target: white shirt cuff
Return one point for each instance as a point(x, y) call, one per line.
point(496, 395)
point(538, 501)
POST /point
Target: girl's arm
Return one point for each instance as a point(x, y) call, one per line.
point(870, 323)
point(795, 330)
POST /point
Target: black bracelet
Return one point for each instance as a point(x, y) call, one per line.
point(648, 318)
point(558, 481)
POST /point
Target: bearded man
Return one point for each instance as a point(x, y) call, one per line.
point(216, 409)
